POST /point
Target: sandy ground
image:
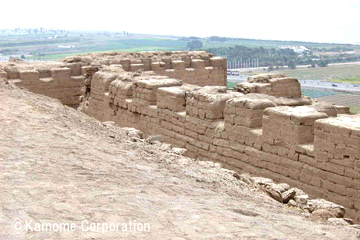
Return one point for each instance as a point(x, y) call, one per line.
point(60, 166)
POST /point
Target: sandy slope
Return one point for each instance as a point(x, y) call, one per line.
point(60, 166)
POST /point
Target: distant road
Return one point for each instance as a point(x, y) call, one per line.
point(285, 67)
point(312, 84)
point(343, 87)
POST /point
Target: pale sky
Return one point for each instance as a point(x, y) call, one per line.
point(305, 20)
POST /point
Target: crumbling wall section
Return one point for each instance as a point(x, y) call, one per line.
point(64, 80)
point(278, 134)
point(305, 146)
point(56, 80)
point(276, 85)
point(197, 67)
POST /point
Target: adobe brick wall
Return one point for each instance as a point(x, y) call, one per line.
point(56, 80)
point(282, 136)
point(310, 147)
point(276, 85)
point(194, 67)
point(64, 80)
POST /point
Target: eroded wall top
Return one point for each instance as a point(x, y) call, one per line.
point(197, 67)
point(277, 85)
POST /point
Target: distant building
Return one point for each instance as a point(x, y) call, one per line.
point(297, 49)
point(66, 46)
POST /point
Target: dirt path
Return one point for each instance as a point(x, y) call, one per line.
point(60, 166)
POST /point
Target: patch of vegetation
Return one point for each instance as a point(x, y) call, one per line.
point(231, 85)
point(353, 80)
point(343, 48)
point(37, 42)
point(316, 93)
point(194, 44)
point(341, 71)
point(266, 57)
point(217, 39)
point(355, 109)
point(323, 63)
point(275, 56)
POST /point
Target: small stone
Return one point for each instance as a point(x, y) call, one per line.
point(242, 177)
point(155, 138)
point(126, 129)
point(292, 203)
point(165, 147)
point(218, 165)
point(301, 200)
point(316, 204)
point(288, 195)
point(245, 177)
point(281, 187)
point(298, 191)
point(338, 221)
point(246, 212)
point(321, 214)
point(275, 194)
point(179, 151)
point(349, 220)
point(262, 181)
point(109, 124)
point(136, 134)
point(131, 132)
point(357, 226)
point(184, 161)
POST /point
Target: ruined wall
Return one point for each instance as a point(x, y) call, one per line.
point(197, 67)
point(274, 85)
point(58, 80)
point(312, 147)
point(283, 136)
point(64, 80)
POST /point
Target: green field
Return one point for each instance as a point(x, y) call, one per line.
point(128, 45)
point(353, 80)
point(316, 93)
point(355, 109)
point(349, 72)
point(46, 46)
point(231, 84)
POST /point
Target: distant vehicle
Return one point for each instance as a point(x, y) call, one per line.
point(229, 73)
point(334, 85)
point(356, 85)
point(235, 73)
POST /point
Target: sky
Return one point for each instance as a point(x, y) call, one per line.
point(305, 20)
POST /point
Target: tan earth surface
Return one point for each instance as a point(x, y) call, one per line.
point(60, 166)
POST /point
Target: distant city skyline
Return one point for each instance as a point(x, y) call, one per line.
point(310, 21)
